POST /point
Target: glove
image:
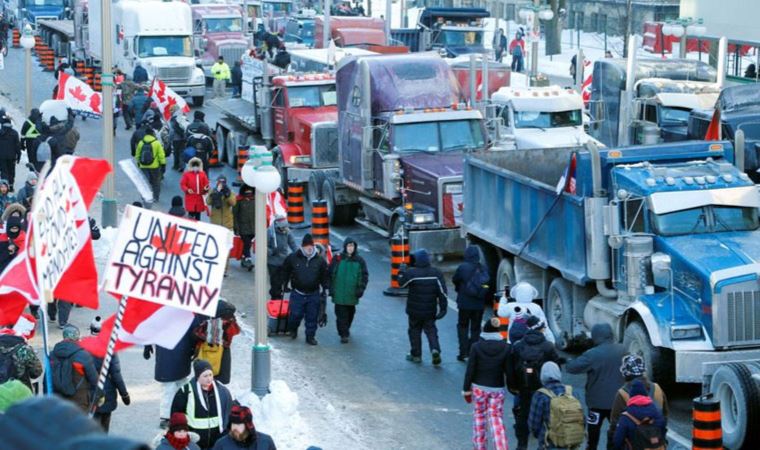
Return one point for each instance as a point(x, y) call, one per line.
point(147, 351)
point(322, 320)
point(359, 293)
point(100, 398)
point(467, 396)
point(126, 400)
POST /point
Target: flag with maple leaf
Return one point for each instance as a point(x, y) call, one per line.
point(165, 98)
point(78, 96)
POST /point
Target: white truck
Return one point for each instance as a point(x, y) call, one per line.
point(540, 117)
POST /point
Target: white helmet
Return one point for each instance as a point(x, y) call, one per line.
point(54, 108)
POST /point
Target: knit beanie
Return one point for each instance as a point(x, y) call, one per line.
point(199, 115)
point(71, 332)
point(12, 392)
point(307, 240)
point(178, 421)
point(200, 366)
point(176, 200)
point(534, 323)
point(242, 414)
point(490, 327)
point(633, 366)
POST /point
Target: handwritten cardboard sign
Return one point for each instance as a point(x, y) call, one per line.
point(168, 260)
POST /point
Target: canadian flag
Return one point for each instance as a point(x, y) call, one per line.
point(275, 206)
point(79, 282)
point(165, 98)
point(713, 129)
point(567, 181)
point(144, 323)
point(586, 86)
point(79, 96)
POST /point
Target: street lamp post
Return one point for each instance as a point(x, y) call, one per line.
point(683, 27)
point(259, 173)
point(27, 42)
point(109, 211)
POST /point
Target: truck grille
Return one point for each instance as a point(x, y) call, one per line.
point(175, 73)
point(742, 318)
point(324, 144)
point(231, 53)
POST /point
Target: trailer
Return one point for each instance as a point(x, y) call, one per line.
point(58, 35)
point(452, 32)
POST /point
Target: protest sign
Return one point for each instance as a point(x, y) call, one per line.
point(168, 260)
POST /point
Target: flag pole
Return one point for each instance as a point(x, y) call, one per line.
point(47, 299)
point(109, 354)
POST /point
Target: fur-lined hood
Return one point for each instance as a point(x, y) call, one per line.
point(10, 209)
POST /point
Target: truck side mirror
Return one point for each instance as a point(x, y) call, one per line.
point(598, 111)
point(661, 269)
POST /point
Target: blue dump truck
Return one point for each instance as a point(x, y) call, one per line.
point(32, 11)
point(661, 242)
point(451, 31)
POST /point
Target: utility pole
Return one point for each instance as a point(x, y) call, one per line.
point(388, 13)
point(109, 202)
point(326, 31)
point(534, 43)
point(628, 25)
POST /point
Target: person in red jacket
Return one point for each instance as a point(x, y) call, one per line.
point(195, 185)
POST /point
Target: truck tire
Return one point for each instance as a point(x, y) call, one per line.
point(220, 135)
point(659, 361)
point(337, 214)
point(231, 148)
point(739, 397)
point(505, 276)
point(198, 101)
point(279, 163)
point(558, 307)
point(316, 183)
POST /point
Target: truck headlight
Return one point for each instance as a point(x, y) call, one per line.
point(685, 331)
point(452, 189)
point(198, 76)
point(420, 218)
point(300, 159)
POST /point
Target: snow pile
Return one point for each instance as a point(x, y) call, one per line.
point(277, 415)
point(102, 247)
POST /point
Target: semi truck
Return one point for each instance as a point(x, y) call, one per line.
point(658, 241)
point(401, 139)
point(351, 31)
point(218, 31)
point(450, 31)
point(32, 11)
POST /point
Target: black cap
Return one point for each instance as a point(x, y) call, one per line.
point(307, 240)
point(200, 366)
point(199, 115)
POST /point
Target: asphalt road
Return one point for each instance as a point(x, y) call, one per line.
point(362, 394)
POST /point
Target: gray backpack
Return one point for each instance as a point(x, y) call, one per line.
point(44, 151)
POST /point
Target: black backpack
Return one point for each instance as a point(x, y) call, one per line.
point(8, 364)
point(477, 285)
point(146, 154)
point(63, 374)
point(647, 436)
point(529, 373)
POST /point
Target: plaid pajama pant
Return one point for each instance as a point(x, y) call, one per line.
point(489, 409)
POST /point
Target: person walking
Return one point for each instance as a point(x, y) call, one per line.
point(30, 137)
point(206, 403)
point(7, 197)
point(237, 79)
point(221, 72)
point(550, 429)
point(177, 437)
point(640, 412)
point(243, 435)
point(73, 370)
point(114, 384)
point(215, 332)
point(528, 357)
point(348, 280)
point(280, 244)
point(10, 151)
point(426, 302)
point(523, 307)
point(198, 136)
point(633, 368)
point(18, 360)
point(484, 382)
point(244, 213)
point(151, 160)
point(517, 50)
point(194, 184)
point(601, 364)
point(128, 91)
point(177, 128)
point(221, 201)
point(138, 105)
point(177, 210)
point(499, 44)
point(307, 273)
point(140, 75)
point(471, 284)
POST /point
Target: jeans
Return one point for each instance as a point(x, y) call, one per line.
point(517, 63)
point(416, 327)
point(236, 90)
point(219, 88)
point(521, 418)
point(468, 329)
point(154, 179)
point(275, 281)
point(344, 317)
point(177, 148)
point(489, 410)
point(62, 308)
point(594, 421)
point(304, 306)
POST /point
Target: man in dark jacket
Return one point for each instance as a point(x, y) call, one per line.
point(26, 193)
point(426, 302)
point(18, 360)
point(10, 151)
point(84, 375)
point(280, 244)
point(140, 75)
point(470, 303)
point(244, 222)
point(540, 404)
point(237, 79)
point(114, 384)
point(306, 272)
point(243, 435)
point(348, 280)
point(30, 137)
point(603, 379)
point(138, 105)
point(198, 135)
point(639, 407)
point(528, 356)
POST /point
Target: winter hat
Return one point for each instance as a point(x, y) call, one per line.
point(550, 372)
point(534, 323)
point(307, 240)
point(178, 421)
point(638, 388)
point(199, 115)
point(633, 366)
point(523, 292)
point(200, 366)
point(96, 325)
point(176, 201)
point(12, 392)
point(491, 326)
point(221, 178)
point(242, 414)
point(31, 177)
point(137, 204)
point(517, 331)
point(281, 220)
point(71, 332)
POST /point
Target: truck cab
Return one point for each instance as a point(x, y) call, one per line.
point(450, 31)
point(541, 117)
point(218, 31)
point(275, 13)
point(300, 29)
point(33, 10)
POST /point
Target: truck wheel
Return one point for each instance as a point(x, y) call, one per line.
point(558, 307)
point(505, 276)
point(739, 397)
point(231, 148)
point(659, 361)
point(338, 214)
point(316, 183)
point(220, 135)
point(198, 101)
point(279, 164)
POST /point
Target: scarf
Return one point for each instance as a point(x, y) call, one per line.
point(217, 399)
point(177, 443)
point(214, 331)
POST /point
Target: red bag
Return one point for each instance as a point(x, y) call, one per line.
point(237, 248)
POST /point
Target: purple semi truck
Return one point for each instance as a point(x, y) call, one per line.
point(401, 140)
point(218, 31)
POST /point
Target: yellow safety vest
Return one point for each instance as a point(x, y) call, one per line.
point(221, 71)
point(32, 132)
point(195, 422)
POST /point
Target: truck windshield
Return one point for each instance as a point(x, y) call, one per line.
point(148, 46)
point(678, 116)
point(454, 135)
point(307, 29)
point(224, 25)
point(536, 119)
point(46, 2)
point(277, 9)
point(312, 96)
point(707, 219)
point(451, 38)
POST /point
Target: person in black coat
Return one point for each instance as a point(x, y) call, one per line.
point(307, 272)
point(469, 304)
point(426, 302)
point(198, 135)
point(30, 137)
point(140, 75)
point(236, 79)
point(114, 384)
point(10, 151)
point(243, 435)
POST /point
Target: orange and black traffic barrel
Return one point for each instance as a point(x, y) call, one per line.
point(97, 85)
point(295, 204)
point(503, 321)
point(320, 223)
point(707, 433)
point(242, 158)
point(399, 256)
point(16, 38)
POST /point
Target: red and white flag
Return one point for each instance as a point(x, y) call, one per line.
point(567, 181)
point(586, 86)
point(276, 206)
point(78, 96)
point(713, 129)
point(165, 98)
point(144, 323)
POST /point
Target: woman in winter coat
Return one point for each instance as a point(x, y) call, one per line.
point(221, 202)
point(470, 302)
point(114, 384)
point(7, 197)
point(349, 277)
point(485, 382)
point(177, 437)
point(195, 185)
point(244, 215)
point(219, 331)
point(640, 407)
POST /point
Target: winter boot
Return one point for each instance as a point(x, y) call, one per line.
point(344, 339)
point(246, 263)
point(414, 359)
point(293, 334)
point(311, 341)
point(436, 357)
point(462, 358)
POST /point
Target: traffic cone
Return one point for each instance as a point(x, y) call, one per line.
point(399, 256)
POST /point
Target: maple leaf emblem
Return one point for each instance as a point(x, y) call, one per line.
point(78, 94)
point(161, 92)
point(170, 244)
point(95, 103)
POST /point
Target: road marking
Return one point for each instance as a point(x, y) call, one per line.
point(678, 439)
